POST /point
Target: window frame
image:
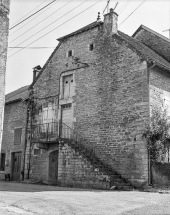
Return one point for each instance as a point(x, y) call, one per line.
point(17, 140)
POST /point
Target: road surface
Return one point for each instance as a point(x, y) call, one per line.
point(29, 199)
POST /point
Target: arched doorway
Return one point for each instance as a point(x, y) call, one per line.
point(53, 167)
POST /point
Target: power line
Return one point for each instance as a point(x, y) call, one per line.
point(20, 47)
point(131, 13)
point(31, 15)
point(50, 24)
point(10, 34)
point(28, 13)
point(125, 6)
point(56, 28)
point(41, 21)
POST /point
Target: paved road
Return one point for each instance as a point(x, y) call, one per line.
point(28, 199)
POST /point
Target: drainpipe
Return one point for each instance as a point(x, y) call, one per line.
point(25, 143)
point(29, 165)
point(149, 161)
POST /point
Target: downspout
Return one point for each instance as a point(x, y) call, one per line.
point(25, 143)
point(149, 161)
point(29, 164)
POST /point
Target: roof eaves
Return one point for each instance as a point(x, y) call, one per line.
point(144, 55)
point(151, 31)
point(81, 30)
point(45, 65)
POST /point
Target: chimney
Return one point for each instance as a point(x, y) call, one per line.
point(36, 71)
point(110, 22)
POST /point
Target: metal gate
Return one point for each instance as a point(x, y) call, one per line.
point(16, 169)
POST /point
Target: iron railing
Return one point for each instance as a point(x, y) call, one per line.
point(46, 132)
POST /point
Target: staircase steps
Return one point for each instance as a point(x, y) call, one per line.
point(115, 179)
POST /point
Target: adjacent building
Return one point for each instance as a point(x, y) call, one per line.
point(14, 134)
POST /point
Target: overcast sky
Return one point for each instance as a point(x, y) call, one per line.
point(59, 19)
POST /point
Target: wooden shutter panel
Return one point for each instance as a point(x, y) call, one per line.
point(17, 135)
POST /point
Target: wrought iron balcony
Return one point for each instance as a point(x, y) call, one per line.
point(51, 132)
point(47, 132)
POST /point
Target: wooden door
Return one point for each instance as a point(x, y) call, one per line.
point(16, 170)
point(67, 122)
point(53, 166)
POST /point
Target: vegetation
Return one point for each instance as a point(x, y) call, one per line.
point(157, 133)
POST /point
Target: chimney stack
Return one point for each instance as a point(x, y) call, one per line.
point(110, 22)
point(36, 71)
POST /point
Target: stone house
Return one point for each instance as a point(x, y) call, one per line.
point(4, 26)
point(14, 133)
point(89, 106)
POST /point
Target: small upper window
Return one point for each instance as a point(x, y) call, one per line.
point(91, 47)
point(17, 135)
point(70, 53)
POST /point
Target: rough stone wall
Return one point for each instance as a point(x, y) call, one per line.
point(14, 117)
point(4, 25)
point(76, 170)
point(111, 103)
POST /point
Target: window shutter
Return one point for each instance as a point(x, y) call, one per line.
point(17, 135)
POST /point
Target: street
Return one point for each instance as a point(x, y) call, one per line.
point(30, 199)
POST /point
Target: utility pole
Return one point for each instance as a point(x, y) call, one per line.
point(167, 30)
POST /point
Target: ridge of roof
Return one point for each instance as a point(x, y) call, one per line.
point(17, 94)
point(152, 31)
point(85, 28)
point(147, 53)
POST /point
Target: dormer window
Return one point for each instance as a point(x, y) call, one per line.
point(91, 47)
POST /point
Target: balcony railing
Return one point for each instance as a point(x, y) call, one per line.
point(51, 132)
point(47, 132)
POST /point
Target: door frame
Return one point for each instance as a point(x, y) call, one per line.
point(11, 161)
point(48, 162)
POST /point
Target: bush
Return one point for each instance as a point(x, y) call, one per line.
point(157, 134)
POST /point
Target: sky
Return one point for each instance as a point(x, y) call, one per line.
point(37, 36)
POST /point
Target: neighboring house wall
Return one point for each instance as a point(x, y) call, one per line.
point(4, 25)
point(14, 135)
point(111, 102)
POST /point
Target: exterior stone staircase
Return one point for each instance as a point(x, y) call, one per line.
point(110, 178)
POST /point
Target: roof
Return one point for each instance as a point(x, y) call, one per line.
point(17, 95)
point(153, 40)
point(144, 51)
point(81, 30)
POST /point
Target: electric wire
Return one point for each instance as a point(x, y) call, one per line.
point(132, 12)
point(10, 34)
point(28, 13)
point(20, 47)
point(40, 21)
point(51, 23)
point(56, 28)
point(125, 7)
point(31, 15)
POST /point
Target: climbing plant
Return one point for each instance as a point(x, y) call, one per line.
point(157, 133)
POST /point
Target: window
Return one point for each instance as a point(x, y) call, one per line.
point(70, 53)
point(37, 152)
point(91, 47)
point(68, 89)
point(17, 135)
point(2, 167)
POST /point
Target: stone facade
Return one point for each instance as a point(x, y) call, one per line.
point(110, 107)
point(4, 25)
point(13, 141)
